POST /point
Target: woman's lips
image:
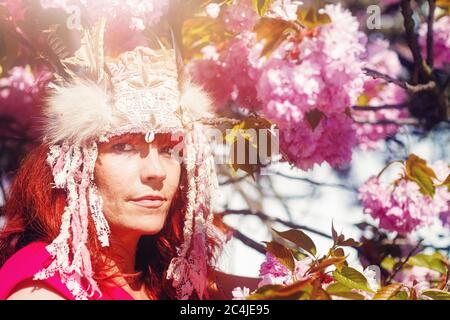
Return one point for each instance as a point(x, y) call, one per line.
point(147, 203)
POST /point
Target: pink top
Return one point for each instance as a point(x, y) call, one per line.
point(29, 260)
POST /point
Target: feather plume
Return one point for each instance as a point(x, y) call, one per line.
point(80, 111)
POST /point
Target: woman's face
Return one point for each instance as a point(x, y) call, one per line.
point(137, 182)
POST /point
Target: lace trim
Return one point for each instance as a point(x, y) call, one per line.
point(73, 170)
point(189, 269)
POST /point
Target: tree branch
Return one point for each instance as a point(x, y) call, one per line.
point(430, 42)
point(246, 240)
point(399, 122)
point(401, 265)
point(411, 38)
point(316, 183)
point(402, 84)
point(382, 107)
point(266, 218)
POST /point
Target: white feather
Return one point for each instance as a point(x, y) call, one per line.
point(77, 112)
point(80, 111)
point(196, 101)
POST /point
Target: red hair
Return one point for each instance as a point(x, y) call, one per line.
point(34, 209)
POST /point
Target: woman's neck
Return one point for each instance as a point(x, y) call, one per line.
point(124, 247)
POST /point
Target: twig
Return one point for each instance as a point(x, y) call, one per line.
point(265, 217)
point(281, 199)
point(316, 183)
point(234, 180)
point(399, 122)
point(382, 107)
point(430, 42)
point(247, 241)
point(411, 38)
point(402, 84)
point(400, 266)
point(446, 83)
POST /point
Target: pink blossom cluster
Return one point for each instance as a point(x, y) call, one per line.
point(401, 206)
point(378, 93)
point(19, 91)
point(441, 41)
point(231, 74)
point(240, 16)
point(442, 171)
point(284, 9)
point(419, 278)
point(272, 271)
point(321, 72)
point(330, 141)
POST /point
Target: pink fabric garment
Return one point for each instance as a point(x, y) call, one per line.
point(26, 262)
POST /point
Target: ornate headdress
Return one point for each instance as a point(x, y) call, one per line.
point(100, 97)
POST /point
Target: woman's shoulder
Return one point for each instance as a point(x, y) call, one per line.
point(26, 261)
point(16, 275)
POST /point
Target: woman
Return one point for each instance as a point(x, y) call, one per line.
point(116, 202)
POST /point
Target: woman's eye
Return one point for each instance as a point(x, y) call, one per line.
point(123, 147)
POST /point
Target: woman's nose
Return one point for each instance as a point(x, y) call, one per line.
point(152, 168)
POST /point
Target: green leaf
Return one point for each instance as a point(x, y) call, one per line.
point(417, 170)
point(388, 263)
point(351, 278)
point(350, 243)
point(199, 32)
point(337, 287)
point(246, 147)
point(445, 183)
point(275, 292)
point(444, 5)
point(323, 264)
point(299, 238)
point(339, 252)
point(273, 32)
point(283, 254)
point(401, 295)
point(339, 290)
point(262, 6)
point(311, 18)
point(299, 254)
point(333, 232)
point(432, 262)
point(436, 294)
point(388, 292)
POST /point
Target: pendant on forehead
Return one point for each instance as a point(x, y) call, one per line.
point(149, 136)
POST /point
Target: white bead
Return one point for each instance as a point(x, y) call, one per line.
point(149, 136)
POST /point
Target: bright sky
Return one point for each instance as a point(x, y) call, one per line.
point(329, 204)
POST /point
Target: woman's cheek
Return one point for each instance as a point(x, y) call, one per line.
point(173, 169)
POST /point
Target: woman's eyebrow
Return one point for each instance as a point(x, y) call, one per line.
point(135, 138)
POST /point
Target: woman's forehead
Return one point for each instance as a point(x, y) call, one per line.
point(140, 137)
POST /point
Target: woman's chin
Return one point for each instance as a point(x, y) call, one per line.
point(146, 224)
